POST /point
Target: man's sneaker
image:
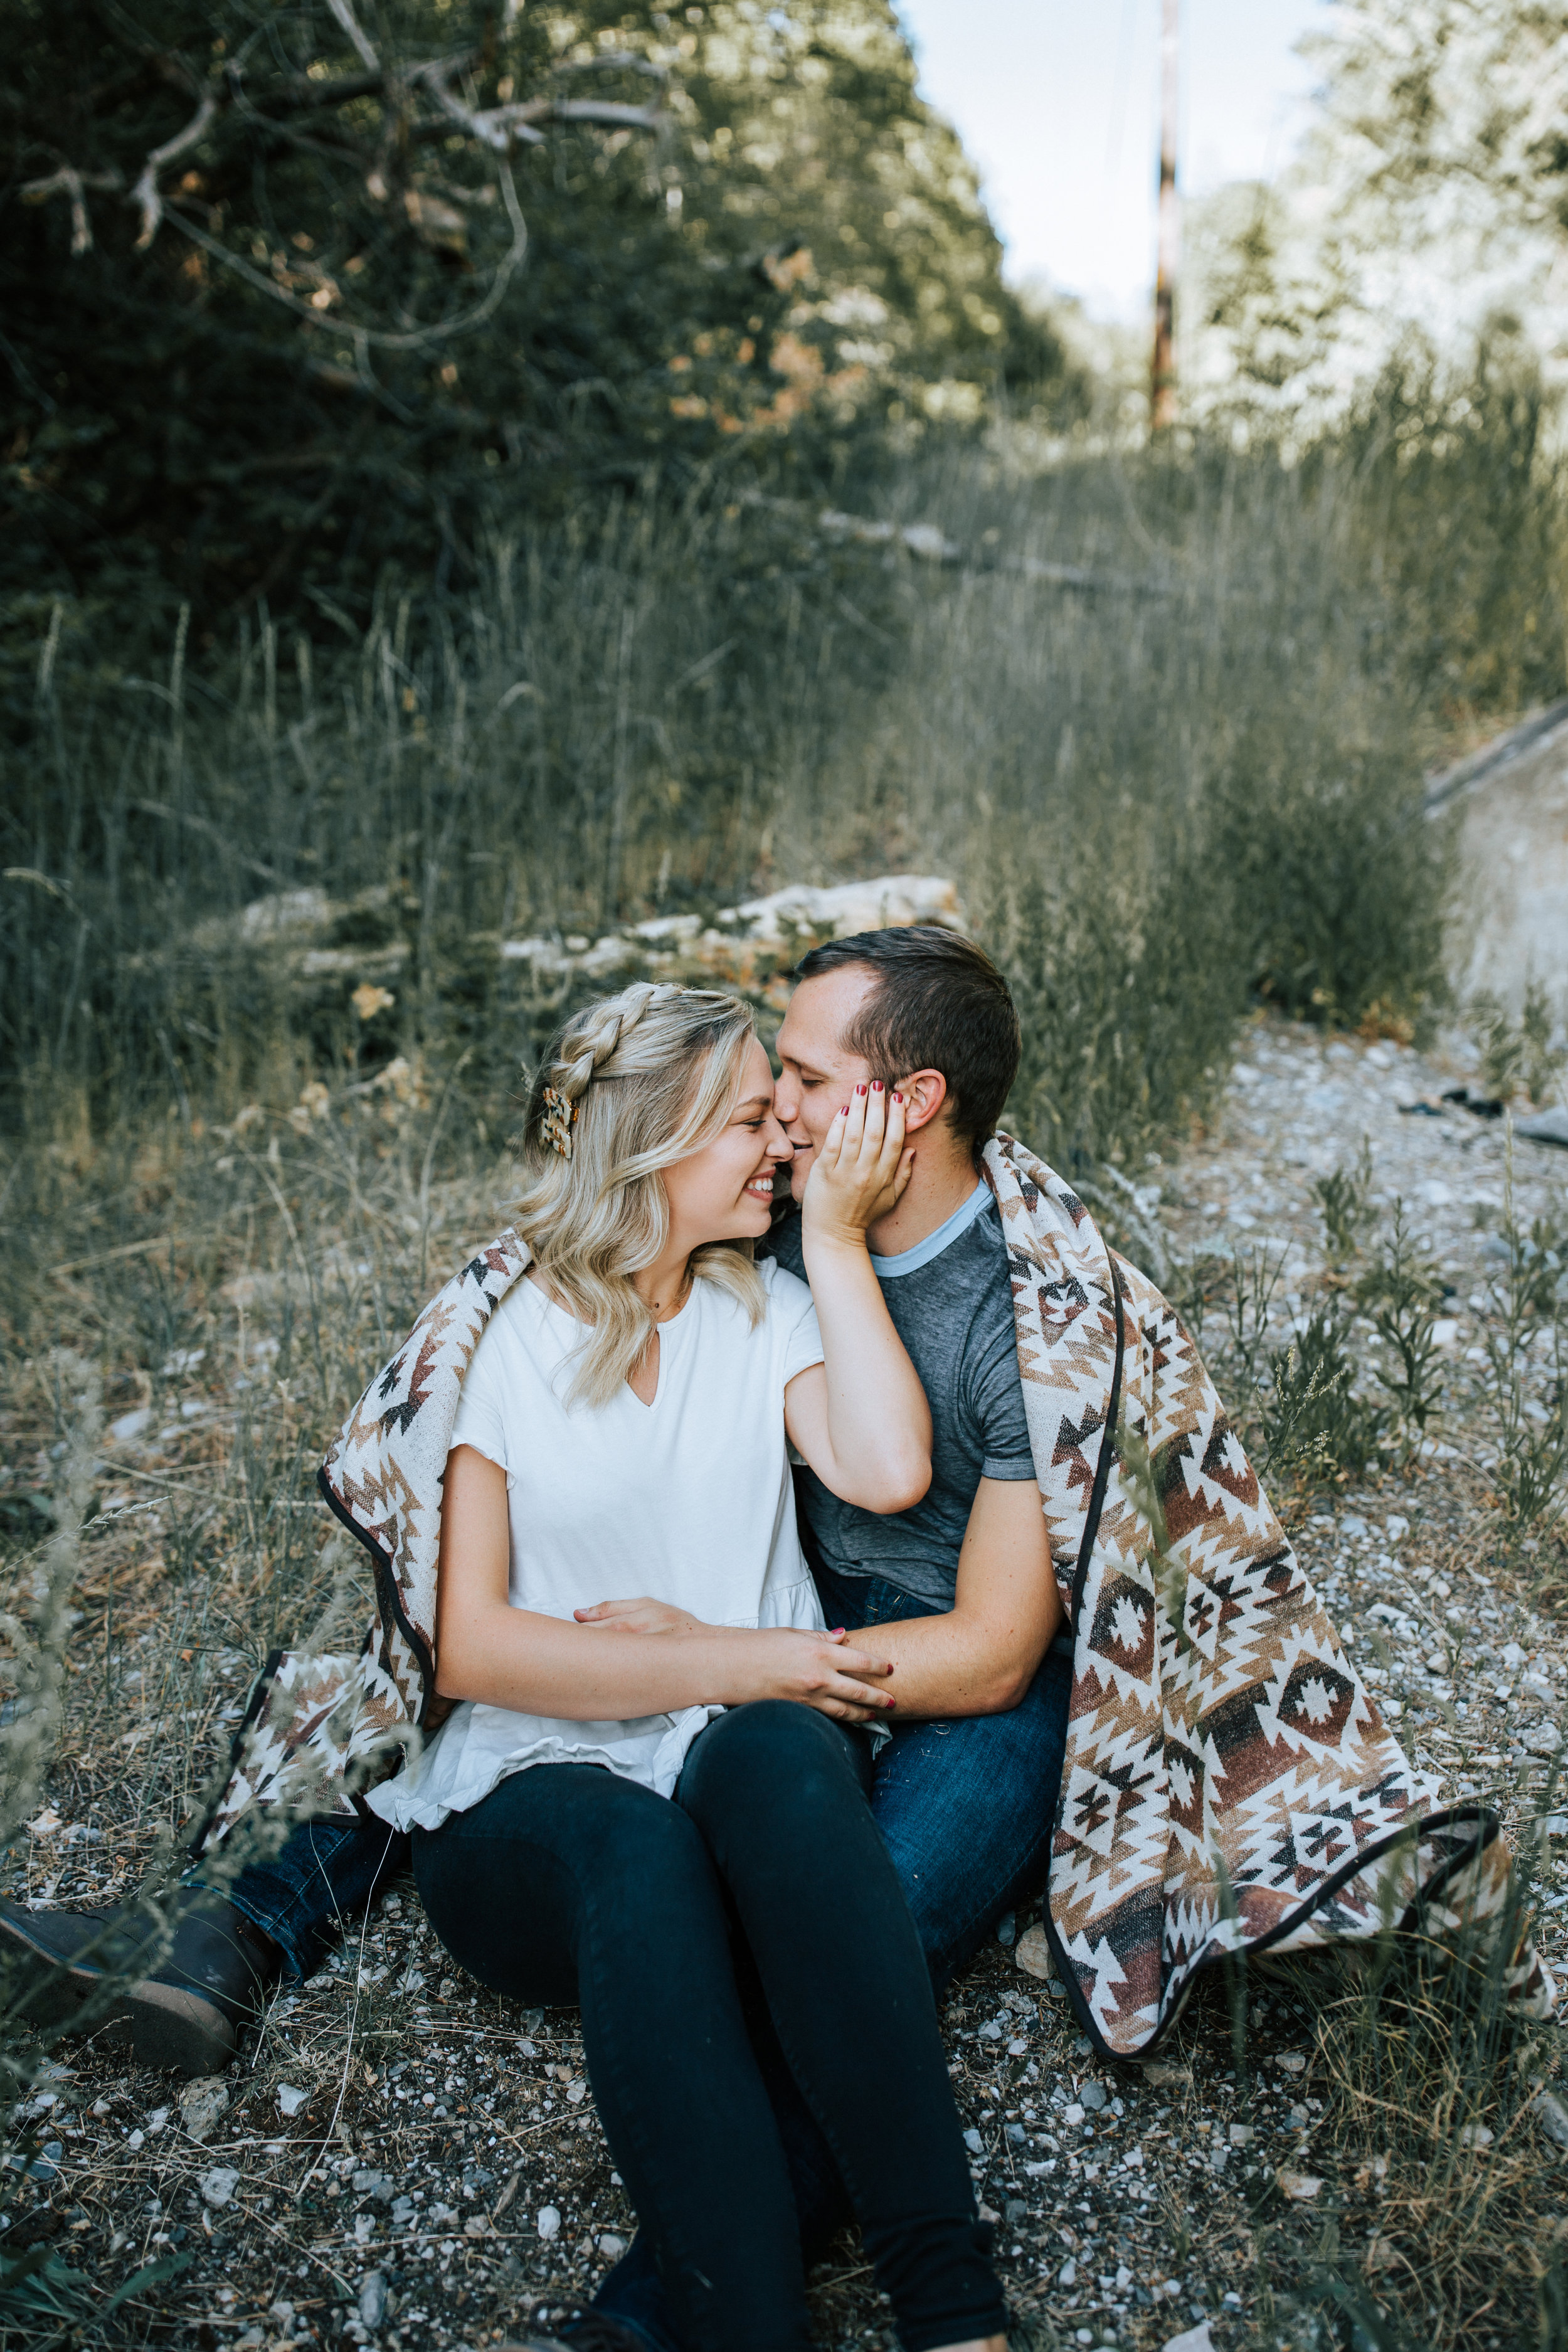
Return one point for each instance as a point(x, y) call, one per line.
point(183, 2003)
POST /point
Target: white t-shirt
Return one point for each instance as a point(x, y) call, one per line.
point(688, 1499)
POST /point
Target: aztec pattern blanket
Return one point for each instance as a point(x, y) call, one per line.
point(1229, 1783)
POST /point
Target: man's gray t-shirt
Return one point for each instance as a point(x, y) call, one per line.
point(951, 1300)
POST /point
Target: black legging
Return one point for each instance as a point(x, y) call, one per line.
point(569, 1884)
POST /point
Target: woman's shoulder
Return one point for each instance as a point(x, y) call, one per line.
point(522, 1319)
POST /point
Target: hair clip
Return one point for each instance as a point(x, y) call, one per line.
point(559, 1119)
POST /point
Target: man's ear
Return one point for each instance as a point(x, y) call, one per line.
point(924, 1094)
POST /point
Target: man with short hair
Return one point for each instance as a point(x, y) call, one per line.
point(959, 1589)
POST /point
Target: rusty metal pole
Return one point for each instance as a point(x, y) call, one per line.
point(1162, 376)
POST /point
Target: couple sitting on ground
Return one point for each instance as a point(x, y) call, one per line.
point(784, 1803)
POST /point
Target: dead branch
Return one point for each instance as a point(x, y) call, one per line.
point(603, 110)
point(499, 130)
point(145, 193)
point(375, 338)
point(501, 127)
point(351, 25)
point(71, 183)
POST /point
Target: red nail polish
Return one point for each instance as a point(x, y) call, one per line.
point(842, 1110)
point(897, 1096)
point(876, 1086)
point(860, 1090)
point(836, 1628)
point(892, 1703)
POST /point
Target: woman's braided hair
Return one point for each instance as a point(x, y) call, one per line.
point(581, 1052)
point(630, 1084)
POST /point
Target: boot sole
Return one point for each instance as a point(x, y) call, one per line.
point(170, 2027)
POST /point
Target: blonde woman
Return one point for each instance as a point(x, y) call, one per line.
point(670, 1826)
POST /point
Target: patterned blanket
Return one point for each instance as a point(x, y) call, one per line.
point(1229, 1783)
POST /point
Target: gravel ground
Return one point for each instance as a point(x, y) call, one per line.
point(399, 2160)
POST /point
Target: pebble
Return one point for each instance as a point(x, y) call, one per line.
point(1552, 2117)
point(1033, 1954)
point(217, 2186)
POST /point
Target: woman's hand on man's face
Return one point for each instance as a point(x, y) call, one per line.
point(859, 1174)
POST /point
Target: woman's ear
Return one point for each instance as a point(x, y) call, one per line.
point(924, 1094)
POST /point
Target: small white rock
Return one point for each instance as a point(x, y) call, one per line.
point(1300, 2184)
point(549, 2222)
point(291, 2098)
point(217, 2186)
point(1192, 2339)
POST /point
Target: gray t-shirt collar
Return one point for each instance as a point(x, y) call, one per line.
point(910, 1261)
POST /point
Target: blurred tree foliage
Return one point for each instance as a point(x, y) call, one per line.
point(292, 292)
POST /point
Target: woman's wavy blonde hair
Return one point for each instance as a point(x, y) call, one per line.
point(653, 1075)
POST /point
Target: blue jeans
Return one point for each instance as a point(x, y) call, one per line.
point(319, 1878)
point(966, 1808)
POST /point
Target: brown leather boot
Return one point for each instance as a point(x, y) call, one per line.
point(181, 2000)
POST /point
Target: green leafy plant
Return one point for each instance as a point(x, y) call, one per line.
point(1344, 1199)
point(1247, 1306)
point(1543, 1060)
point(1501, 1045)
point(1401, 1292)
point(1313, 1422)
